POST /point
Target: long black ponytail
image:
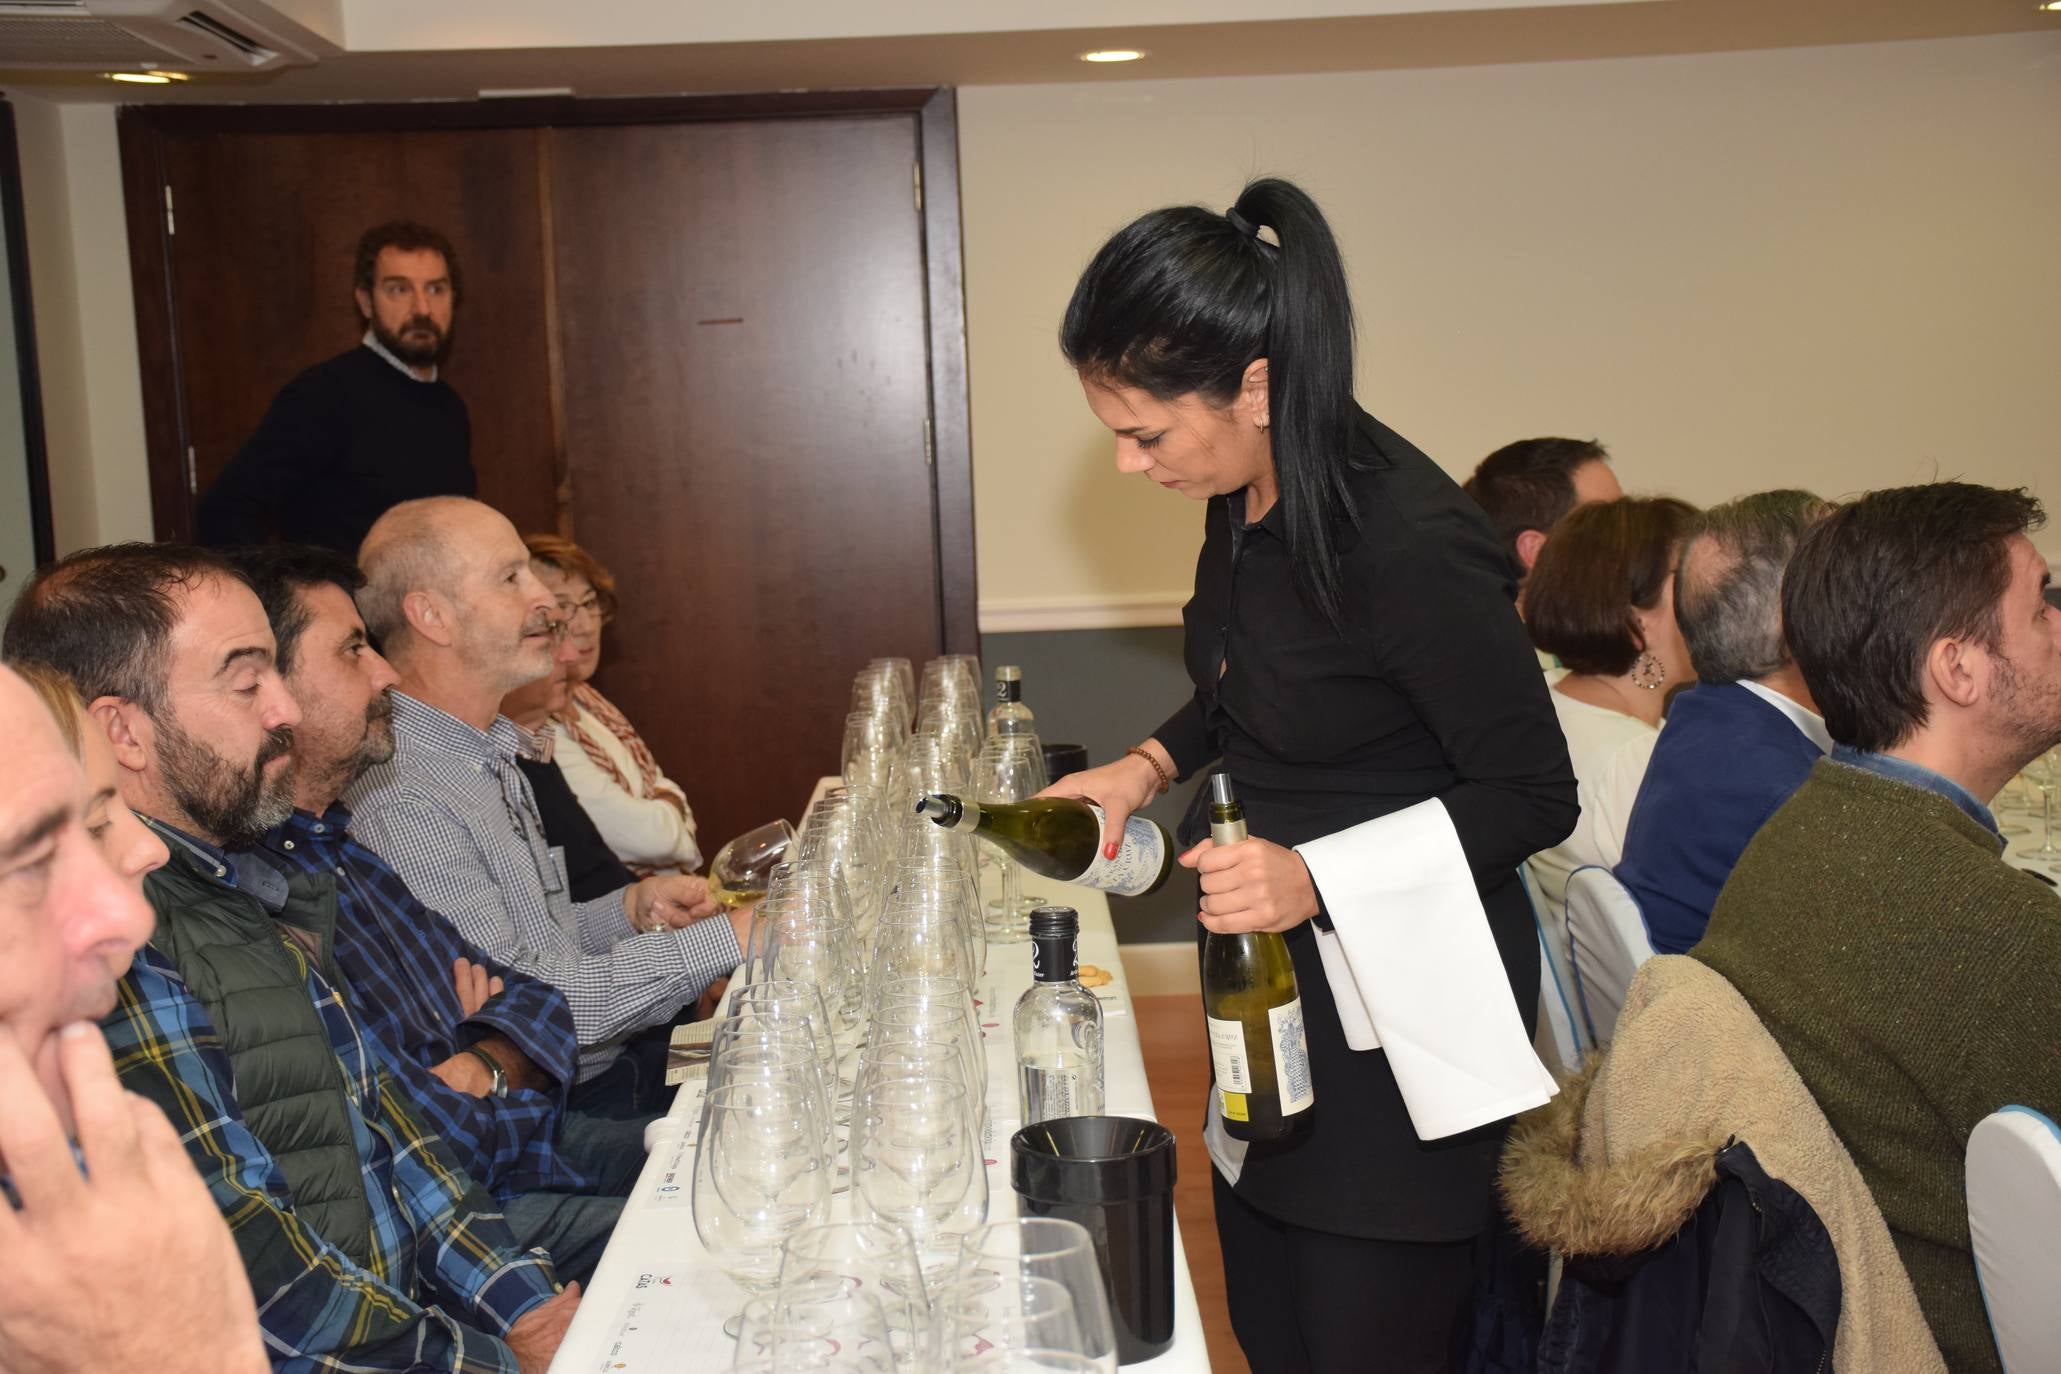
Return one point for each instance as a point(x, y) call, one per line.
point(1183, 300)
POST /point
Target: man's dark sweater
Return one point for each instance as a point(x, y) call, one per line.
point(1909, 975)
point(341, 443)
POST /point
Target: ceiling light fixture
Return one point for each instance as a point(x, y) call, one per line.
point(146, 78)
point(1113, 55)
point(2052, 6)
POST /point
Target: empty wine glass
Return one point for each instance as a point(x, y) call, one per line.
point(1047, 1248)
point(992, 1322)
point(2043, 773)
point(917, 1163)
point(867, 1257)
point(814, 1324)
point(1009, 769)
point(742, 868)
point(761, 1173)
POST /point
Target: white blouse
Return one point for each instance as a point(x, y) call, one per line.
point(649, 831)
point(1609, 750)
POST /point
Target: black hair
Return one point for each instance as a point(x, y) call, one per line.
point(407, 237)
point(279, 573)
point(103, 616)
point(1875, 584)
point(1182, 300)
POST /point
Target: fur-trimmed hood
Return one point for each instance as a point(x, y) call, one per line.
point(1561, 1202)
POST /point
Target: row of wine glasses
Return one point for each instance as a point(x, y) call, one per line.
point(1025, 1294)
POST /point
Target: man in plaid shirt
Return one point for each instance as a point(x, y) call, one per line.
point(453, 603)
point(367, 1246)
point(484, 1052)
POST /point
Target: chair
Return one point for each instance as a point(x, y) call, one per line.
point(2014, 1212)
point(1559, 1038)
point(1607, 942)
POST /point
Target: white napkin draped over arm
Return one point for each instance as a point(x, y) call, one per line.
point(1412, 962)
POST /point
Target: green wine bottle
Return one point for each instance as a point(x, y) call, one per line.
point(1061, 838)
point(1254, 1011)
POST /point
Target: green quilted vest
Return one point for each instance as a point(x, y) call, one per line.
point(241, 965)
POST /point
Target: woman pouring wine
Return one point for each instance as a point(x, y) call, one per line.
point(1361, 674)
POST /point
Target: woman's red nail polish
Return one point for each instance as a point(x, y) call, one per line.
point(1109, 850)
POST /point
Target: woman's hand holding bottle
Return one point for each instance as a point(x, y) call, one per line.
point(1251, 885)
point(1119, 788)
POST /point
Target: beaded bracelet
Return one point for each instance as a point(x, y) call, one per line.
point(1165, 782)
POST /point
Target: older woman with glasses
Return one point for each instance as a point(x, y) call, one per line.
point(640, 812)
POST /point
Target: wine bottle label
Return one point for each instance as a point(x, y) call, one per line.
point(1137, 862)
point(1227, 1053)
point(1291, 1058)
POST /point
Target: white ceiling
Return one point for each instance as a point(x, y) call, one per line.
point(452, 49)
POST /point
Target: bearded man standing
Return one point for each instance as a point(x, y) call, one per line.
point(369, 428)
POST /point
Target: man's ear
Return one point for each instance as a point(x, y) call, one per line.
point(431, 615)
point(1958, 671)
point(364, 299)
point(1529, 542)
point(129, 729)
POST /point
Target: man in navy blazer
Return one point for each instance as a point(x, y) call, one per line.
point(1740, 741)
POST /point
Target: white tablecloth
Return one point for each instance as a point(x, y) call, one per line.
point(657, 1302)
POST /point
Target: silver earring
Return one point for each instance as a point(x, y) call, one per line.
point(1649, 672)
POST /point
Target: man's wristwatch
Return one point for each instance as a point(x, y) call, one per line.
point(500, 1088)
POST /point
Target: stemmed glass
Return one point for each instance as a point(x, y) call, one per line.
point(810, 1325)
point(761, 1173)
point(868, 1258)
point(990, 1322)
point(2044, 773)
point(1010, 769)
point(916, 1162)
point(1047, 1248)
point(741, 870)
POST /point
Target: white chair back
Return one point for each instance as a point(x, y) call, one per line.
point(1559, 1040)
point(1607, 942)
point(2014, 1213)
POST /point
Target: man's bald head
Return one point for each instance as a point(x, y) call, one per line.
point(450, 576)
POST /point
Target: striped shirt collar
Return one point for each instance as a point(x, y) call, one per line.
point(446, 741)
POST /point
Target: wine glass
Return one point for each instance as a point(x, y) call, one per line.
point(1047, 1248)
point(917, 1164)
point(812, 1324)
point(867, 1257)
point(742, 868)
point(995, 1322)
point(761, 1173)
point(2044, 773)
point(1010, 769)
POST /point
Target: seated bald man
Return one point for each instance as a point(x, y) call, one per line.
point(450, 597)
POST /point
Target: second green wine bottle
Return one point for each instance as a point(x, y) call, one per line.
point(1254, 1010)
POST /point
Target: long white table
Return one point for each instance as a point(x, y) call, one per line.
point(657, 1301)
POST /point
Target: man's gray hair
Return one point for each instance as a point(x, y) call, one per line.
point(402, 553)
point(1728, 585)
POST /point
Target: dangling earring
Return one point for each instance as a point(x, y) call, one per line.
point(1649, 672)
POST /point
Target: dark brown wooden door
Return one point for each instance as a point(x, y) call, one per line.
point(260, 277)
point(742, 320)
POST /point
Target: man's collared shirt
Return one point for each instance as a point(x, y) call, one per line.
point(371, 341)
point(1918, 775)
point(1809, 722)
point(435, 1249)
point(455, 818)
point(398, 955)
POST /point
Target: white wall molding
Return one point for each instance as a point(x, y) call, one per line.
point(1014, 615)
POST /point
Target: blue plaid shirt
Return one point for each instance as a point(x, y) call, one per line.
point(397, 955)
point(456, 818)
point(445, 1279)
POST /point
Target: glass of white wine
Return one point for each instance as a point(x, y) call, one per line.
point(743, 868)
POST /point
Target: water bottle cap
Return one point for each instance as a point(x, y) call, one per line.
point(1054, 920)
point(1008, 672)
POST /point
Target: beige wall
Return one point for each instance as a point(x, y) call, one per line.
point(1833, 267)
point(85, 323)
point(1825, 266)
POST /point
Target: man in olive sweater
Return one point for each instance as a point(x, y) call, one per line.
point(1905, 969)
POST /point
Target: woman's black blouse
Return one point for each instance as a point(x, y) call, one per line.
point(1431, 689)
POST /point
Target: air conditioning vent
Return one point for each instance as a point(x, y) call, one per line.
point(177, 35)
point(256, 53)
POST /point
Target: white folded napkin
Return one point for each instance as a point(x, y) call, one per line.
point(1414, 970)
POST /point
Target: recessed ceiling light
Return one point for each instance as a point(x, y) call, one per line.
point(2052, 6)
point(1127, 54)
point(146, 78)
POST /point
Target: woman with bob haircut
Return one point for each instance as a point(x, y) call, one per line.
point(1354, 653)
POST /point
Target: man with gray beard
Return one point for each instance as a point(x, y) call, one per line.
point(367, 1246)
